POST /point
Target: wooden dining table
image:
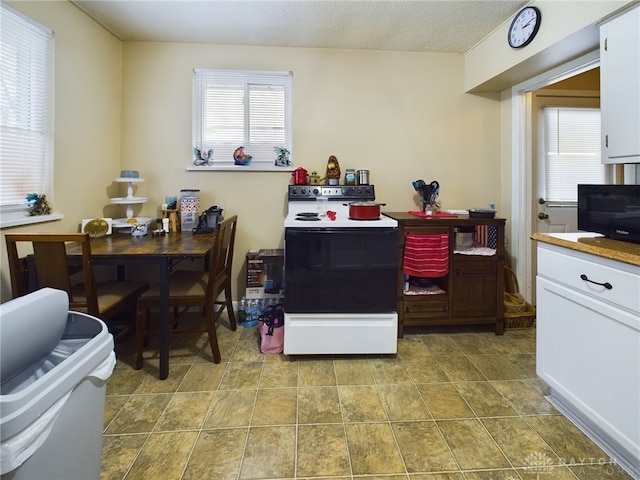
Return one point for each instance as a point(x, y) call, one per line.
point(163, 251)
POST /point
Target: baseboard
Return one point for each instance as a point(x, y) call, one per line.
point(617, 453)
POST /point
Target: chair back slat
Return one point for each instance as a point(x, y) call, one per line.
point(221, 254)
point(52, 269)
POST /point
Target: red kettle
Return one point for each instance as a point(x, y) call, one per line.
point(300, 176)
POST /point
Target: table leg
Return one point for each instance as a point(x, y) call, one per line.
point(164, 318)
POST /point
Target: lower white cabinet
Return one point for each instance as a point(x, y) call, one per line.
point(588, 346)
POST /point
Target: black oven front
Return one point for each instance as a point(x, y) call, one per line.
point(341, 270)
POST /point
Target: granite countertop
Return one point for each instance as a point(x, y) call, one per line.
point(594, 244)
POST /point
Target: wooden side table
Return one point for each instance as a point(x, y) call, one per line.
point(172, 215)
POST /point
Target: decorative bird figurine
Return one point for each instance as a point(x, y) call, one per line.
point(240, 157)
point(202, 158)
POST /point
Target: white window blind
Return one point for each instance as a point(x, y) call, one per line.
point(572, 149)
point(242, 109)
point(25, 86)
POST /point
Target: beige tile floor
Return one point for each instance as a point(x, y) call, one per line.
point(451, 405)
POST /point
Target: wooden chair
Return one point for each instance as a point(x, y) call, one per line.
point(193, 288)
point(104, 300)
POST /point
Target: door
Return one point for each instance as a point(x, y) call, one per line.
point(566, 152)
point(565, 129)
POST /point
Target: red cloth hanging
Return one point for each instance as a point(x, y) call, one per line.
point(426, 255)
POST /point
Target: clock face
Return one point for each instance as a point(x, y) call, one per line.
point(524, 27)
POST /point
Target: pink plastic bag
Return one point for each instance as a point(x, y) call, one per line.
point(271, 327)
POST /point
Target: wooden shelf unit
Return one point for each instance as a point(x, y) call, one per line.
point(473, 288)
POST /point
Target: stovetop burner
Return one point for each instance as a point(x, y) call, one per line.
point(308, 219)
point(307, 214)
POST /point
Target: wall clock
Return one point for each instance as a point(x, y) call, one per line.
point(524, 27)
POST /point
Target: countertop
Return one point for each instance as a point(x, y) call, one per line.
point(594, 244)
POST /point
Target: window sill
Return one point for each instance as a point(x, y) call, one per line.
point(16, 220)
point(241, 168)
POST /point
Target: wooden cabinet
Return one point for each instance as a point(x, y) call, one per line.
point(588, 346)
point(472, 290)
point(620, 88)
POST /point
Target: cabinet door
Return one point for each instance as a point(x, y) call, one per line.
point(620, 88)
point(589, 353)
point(475, 287)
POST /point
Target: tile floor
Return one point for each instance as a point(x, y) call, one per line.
point(451, 405)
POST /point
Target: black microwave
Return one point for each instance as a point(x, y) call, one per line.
point(612, 210)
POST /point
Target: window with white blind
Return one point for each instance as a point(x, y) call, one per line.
point(26, 86)
point(572, 150)
point(235, 109)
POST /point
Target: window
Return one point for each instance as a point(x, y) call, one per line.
point(26, 53)
point(572, 150)
point(235, 109)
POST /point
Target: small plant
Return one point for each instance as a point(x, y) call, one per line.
point(37, 204)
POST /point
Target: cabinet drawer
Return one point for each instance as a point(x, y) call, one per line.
point(425, 308)
point(488, 268)
point(426, 230)
point(578, 270)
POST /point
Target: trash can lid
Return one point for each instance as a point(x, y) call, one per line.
point(31, 327)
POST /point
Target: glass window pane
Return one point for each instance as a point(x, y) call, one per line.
point(572, 151)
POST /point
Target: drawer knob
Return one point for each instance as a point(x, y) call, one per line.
point(606, 285)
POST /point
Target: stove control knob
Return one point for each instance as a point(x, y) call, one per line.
point(349, 191)
point(316, 191)
point(303, 191)
point(359, 191)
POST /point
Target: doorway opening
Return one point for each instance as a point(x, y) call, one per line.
point(522, 173)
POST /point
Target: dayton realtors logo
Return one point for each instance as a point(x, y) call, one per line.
point(538, 463)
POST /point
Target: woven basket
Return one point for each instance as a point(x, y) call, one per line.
point(514, 303)
point(518, 313)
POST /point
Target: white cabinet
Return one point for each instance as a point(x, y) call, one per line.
point(588, 346)
point(620, 88)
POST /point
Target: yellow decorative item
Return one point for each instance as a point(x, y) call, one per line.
point(333, 171)
point(98, 227)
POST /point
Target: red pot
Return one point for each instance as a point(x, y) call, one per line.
point(300, 176)
point(364, 210)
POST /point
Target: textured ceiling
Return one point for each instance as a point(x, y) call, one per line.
point(423, 25)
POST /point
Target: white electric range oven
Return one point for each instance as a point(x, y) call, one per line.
point(340, 275)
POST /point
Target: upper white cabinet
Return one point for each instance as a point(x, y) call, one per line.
point(620, 88)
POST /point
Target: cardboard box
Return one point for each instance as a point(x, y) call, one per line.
point(265, 273)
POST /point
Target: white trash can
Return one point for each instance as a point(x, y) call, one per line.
point(54, 365)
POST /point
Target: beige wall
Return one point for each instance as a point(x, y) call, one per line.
point(87, 117)
point(568, 29)
point(403, 116)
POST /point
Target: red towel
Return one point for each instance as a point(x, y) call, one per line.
point(426, 255)
point(435, 215)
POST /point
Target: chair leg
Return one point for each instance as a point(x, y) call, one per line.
point(142, 317)
point(213, 337)
point(229, 304)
